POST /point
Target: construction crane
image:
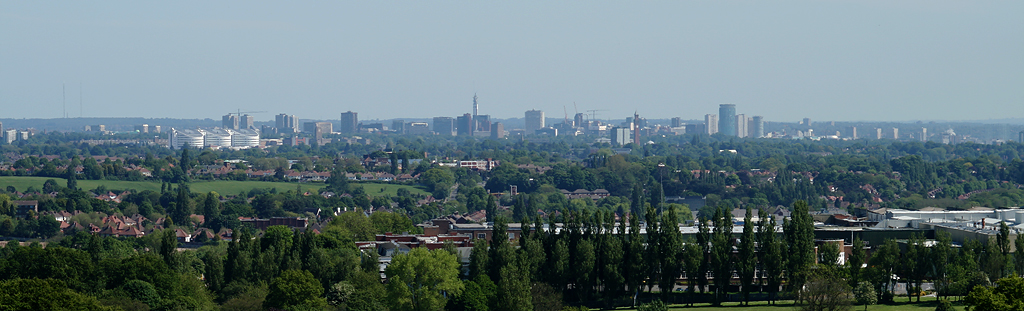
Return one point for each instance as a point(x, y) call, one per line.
point(240, 112)
point(593, 113)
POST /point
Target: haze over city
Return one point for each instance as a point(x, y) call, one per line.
point(843, 61)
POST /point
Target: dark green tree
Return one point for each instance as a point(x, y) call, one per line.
point(296, 289)
point(800, 243)
point(773, 258)
point(746, 264)
point(721, 253)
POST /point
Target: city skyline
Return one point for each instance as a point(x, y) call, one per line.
point(843, 61)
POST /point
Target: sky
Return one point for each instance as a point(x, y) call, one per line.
point(784, 60)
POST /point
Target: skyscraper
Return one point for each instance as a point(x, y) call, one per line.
point(711, 124)
point(758, 126)
point(245, 122)
point(924, 134)
point(464, 124)
point(534, 121)
point(1020, 137)
point(577, 120)
point(230, 121)
point(677, 122)
point(895, 133)
point(349, 122)
point(497, 130)
point(741, 125)
point(727, 119)
point(287, 123)
point(444, 126)
point(807, 122)
point(398, 126)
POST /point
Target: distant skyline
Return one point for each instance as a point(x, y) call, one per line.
point(824, 60)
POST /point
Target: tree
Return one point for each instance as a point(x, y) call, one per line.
point(422, 280)
point(1018, 255)
point(747, 262)
point(186, 159)
point(693, 259)
point(491, 208)
point(183, 206)
point(636, 206)
point(44, 294)
point(72, 177)
point(670, 246)
point(513, 288)
point(865, 294)
point(478, 293)
point(295, 288)
point(941, 252)
point(519, 208)
point(633, 249)
point(48, 227)
point(338, 182)
point(211, 208)
point(142, 291)
point(214, 274)
point(945, 305)
point(657, 197)
point(800, 242)
point(721, 253)
point(772, 257)
point(855, 262)
point(884, 263)
point(1008, 295)
point(583, 264)
point(825, 293)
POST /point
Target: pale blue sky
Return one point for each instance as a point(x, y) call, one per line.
point(785, 60)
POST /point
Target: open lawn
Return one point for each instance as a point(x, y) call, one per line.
point(375, 189)
point(900, 305)
point(224, 187)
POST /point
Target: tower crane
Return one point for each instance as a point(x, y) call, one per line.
point(239, 112)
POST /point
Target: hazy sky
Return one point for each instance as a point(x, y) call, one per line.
point(785, 60)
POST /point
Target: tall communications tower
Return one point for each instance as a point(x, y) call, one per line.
point(476, 107)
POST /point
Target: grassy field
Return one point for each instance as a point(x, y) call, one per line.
point(220, 186)
point(928, 304)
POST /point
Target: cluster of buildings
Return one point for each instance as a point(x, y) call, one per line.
point(12, 135)
point(726, 122)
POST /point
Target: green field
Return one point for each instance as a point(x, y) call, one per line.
point(220, 186)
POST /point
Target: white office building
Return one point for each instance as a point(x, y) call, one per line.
point(245, 138)
point(191, 138)
point(218, 138)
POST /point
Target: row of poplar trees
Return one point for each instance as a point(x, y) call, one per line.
point(591, 261)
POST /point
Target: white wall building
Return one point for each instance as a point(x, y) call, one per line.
point(245, 138)
point(218, 138)
point(192, 138)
